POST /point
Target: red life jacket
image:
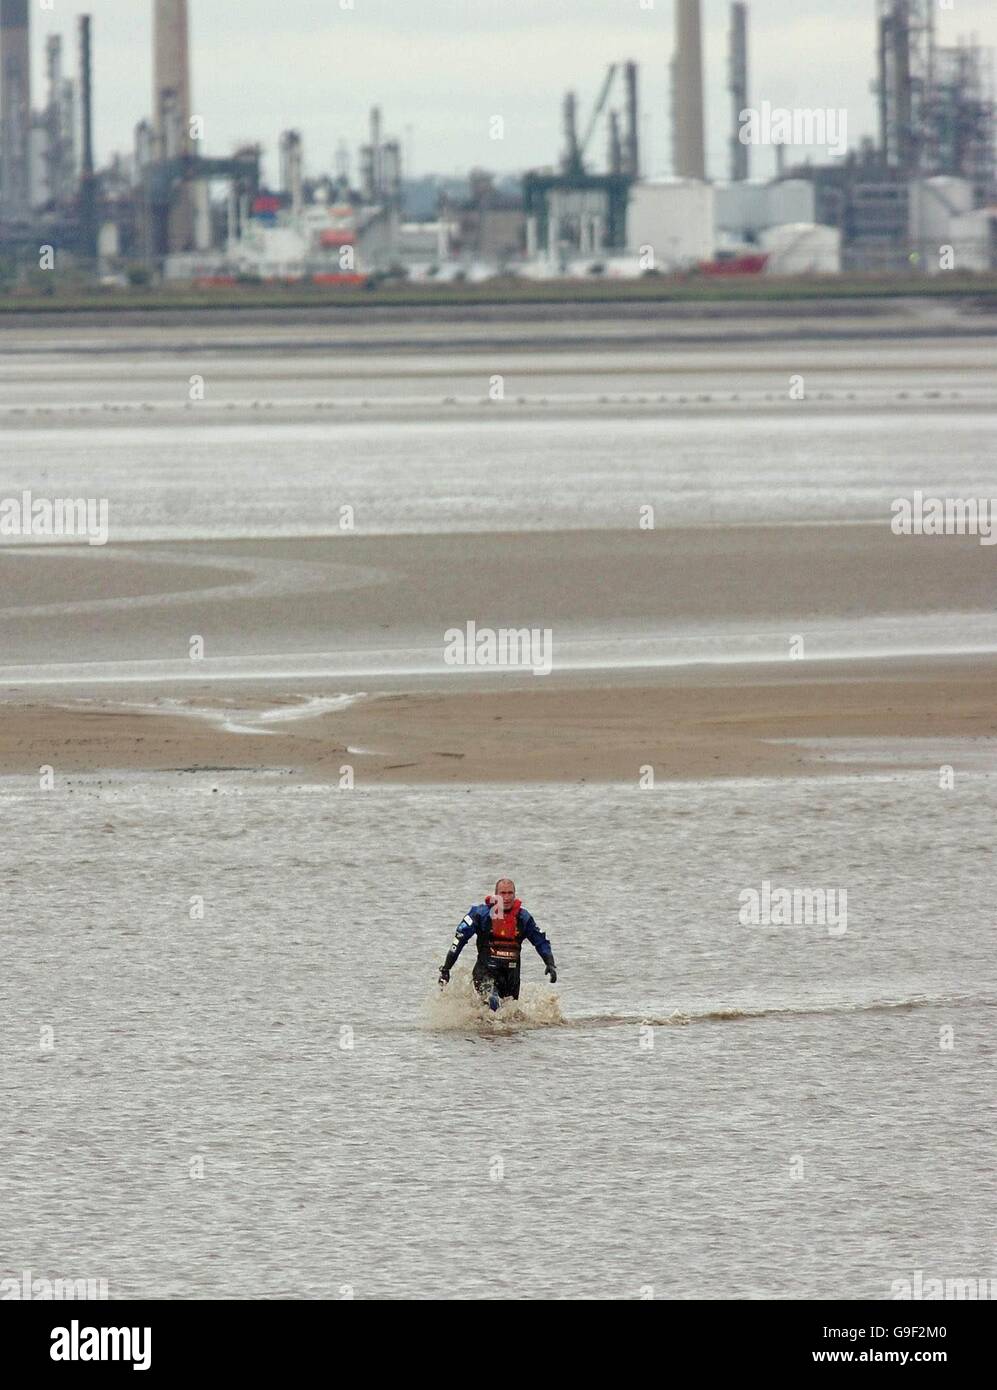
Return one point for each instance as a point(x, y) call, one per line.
point(504, 939)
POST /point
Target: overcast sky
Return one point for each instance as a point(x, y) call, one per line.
point(441, 69)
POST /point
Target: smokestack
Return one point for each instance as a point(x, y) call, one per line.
point(53, 69)
point(55, 121)
point(291, 169)
point(88, 186)
point(86, 95)
point(631, 151)
point(738, 88)
point(171, 108)
point(171, 76)
point(572, 161)
point(15, 110)
point(689, 148)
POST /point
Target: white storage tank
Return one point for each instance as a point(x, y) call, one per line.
point(745, 209)
point(802, 248)
point(974, 240)
point(675, 219)
point(742, 208)
point(790, 200)
point(934, 203)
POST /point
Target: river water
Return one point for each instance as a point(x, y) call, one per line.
point(227, 1069)
point(272, 1100)
point(277, 444)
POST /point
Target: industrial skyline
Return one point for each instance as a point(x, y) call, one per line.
point(255, 73)
point(845, 196)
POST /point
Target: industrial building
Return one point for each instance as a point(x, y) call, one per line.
point(317, 231)
point(936, 119)
point(488, 227)
point(671, 223)
point(54, 153)
point(918, 194)
point(883, 207)
point(624, 222)
point(572, 211)
point(896, 202)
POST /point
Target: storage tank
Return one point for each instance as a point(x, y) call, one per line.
point(802, 248)
point(675, 217)
point(934, 205)
point(790, 200)
point(974, 240)
point(741, 208)
point(745, 209)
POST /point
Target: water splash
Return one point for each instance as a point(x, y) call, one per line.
point(722, 1014)
point(459, 1008)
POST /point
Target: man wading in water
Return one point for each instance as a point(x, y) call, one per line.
point(501, 924)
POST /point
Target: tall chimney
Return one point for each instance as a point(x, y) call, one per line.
point(86, 94)
point(571, 161)
point(15, 110)
point(88, 185)
point(689, 148)
point(631, 150)
point(739, 168)
point(291, 169)
point(171, 108)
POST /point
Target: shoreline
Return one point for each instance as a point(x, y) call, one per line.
point(683, 725)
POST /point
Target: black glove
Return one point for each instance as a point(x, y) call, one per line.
point(551, 970)
point(445, 967)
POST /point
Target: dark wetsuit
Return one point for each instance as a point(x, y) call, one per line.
point(500, 942)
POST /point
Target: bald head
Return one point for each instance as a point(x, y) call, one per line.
point(505, 891)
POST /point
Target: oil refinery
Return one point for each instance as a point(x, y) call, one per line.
point(165, 211)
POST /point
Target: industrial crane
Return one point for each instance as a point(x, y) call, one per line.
point(574, 159)
point(597, 111)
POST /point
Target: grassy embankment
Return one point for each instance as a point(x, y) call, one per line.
point(651, 290)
